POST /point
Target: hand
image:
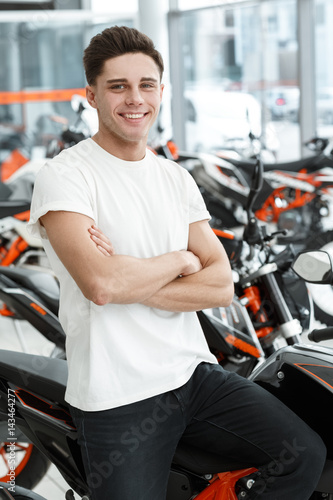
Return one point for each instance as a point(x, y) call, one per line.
point(192, 263)
point(103, 243)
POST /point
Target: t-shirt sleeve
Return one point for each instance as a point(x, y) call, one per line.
point(197, 210)
point(58, 187)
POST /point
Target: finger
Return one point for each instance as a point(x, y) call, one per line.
point(102, 239)
point(99, 242)
point(97, 232)
point(105, 244)
point(103, 251)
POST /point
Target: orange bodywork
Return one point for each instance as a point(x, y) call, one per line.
point(222, 486)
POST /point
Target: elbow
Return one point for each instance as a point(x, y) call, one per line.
point(96, 291)
point(99, 299)
point(102, 291)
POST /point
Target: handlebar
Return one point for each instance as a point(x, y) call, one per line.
point(321, 335)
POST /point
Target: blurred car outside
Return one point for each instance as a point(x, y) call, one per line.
point(216, 119)
point(283, 103)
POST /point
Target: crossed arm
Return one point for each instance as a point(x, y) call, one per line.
point(105, 277)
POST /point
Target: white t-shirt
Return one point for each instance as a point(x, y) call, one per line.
point(121, 353)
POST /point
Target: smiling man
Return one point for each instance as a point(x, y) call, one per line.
point(127, 96)
point(141, 376)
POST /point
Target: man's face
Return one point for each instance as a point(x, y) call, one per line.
point(127, 96)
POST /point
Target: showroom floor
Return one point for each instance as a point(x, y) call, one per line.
point(52, 486)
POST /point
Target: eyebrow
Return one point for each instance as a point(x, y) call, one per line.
point(123, 80)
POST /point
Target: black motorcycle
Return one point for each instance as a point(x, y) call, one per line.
point(35, 385)
point(295, 198)
point(32, 400)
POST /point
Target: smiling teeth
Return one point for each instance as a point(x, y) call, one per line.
point(134, 115)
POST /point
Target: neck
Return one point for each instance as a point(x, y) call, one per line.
point(128, 151)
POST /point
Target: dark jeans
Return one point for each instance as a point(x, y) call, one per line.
point(127, 451)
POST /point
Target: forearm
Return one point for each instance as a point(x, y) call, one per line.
point(104, 277)
point(206, 289)
point(124, 279)
point(203, 287)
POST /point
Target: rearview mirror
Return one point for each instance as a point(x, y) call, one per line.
point(314, 266)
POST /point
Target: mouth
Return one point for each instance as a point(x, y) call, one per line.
point(133, 116)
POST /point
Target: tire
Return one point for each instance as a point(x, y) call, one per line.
point(19, 493)
point(322, 295)
point(31, 465)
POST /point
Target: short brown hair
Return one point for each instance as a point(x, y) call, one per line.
point(114, 42)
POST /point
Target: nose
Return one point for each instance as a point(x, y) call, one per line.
point(134, 97)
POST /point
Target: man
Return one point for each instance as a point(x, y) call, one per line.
point(141, 376)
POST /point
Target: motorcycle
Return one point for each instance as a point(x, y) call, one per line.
point(16, 246)
point(229, 332)
point(296, 199)
point(84, 126)
point(298, 366)
point(26, 294)
point(15, 199)
point(294, 196)
point(30, 295)
point(278, 303)
point(32, 394)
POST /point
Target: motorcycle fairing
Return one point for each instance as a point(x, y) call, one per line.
point(221, 182)
point(229, 330)
point(323, 373)
point(30, 400)
point(232, 340)
point(35, 307)
point(301, 377)
point(41, 283)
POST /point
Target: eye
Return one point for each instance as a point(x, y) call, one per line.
point(118, 86)
point(148, 85)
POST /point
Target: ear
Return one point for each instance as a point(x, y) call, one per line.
point(161, 91)
point(90, 95)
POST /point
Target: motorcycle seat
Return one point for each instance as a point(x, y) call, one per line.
point(42, 283)
point(15, 198)
point(311, 164)
point(44, 376)
point(9, 208)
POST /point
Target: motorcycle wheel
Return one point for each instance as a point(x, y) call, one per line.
point(7, 493)
point(322, 295)
point(31, 464)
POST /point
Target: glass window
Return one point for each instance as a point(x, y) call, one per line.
point(126, 6)
point(324, 70)
point(41, 56)
point(240, 75)
point(194, 4)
